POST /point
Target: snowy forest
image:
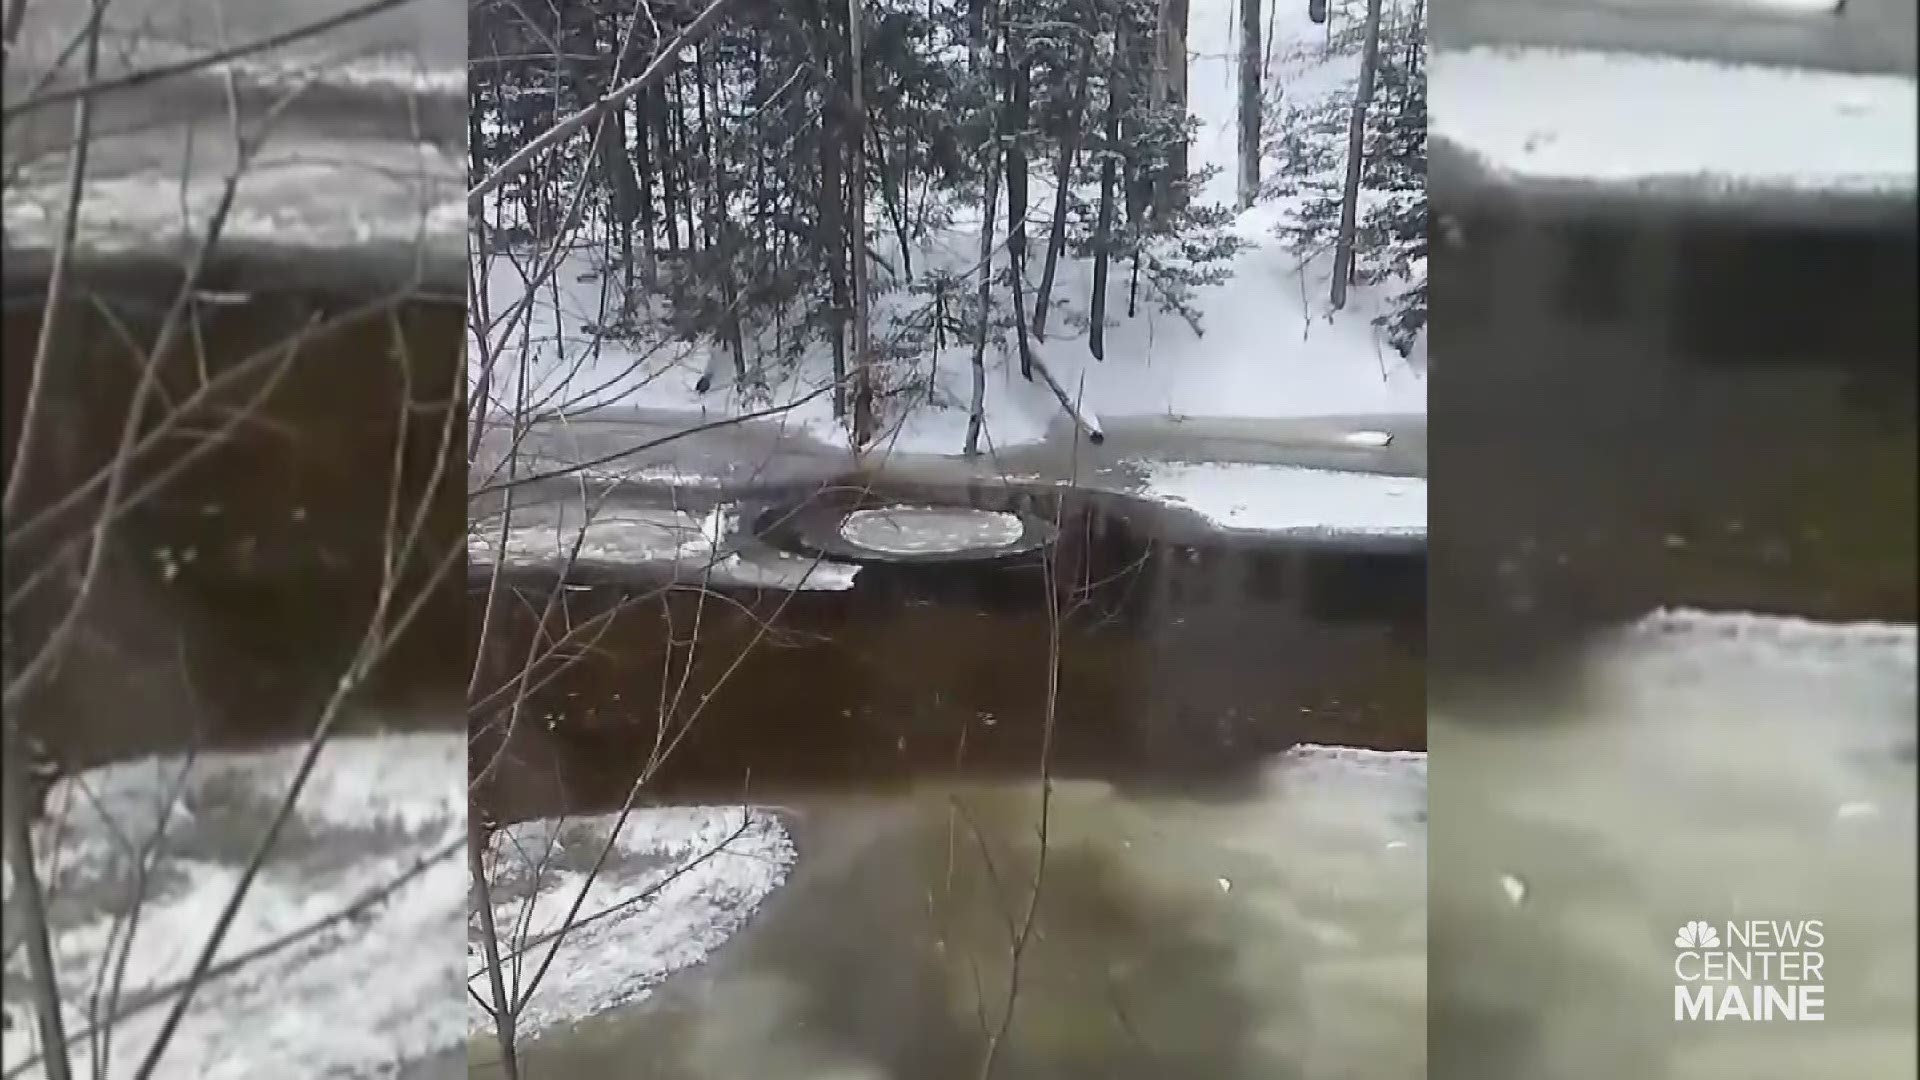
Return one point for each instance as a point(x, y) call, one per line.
point(967, 209)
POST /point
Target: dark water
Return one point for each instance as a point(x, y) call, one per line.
point(233, 594)
point(1205, 909)
point(1649, 409)
point(1180, 666)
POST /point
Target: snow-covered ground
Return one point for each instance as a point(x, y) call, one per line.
point(674, 884)
point(1704, 766)
point(365, 890)
point(1269, 348)
point(1626, 119)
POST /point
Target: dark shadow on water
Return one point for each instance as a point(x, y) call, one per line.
point(1644, 407)
point(1181, 667)
point(231, 599)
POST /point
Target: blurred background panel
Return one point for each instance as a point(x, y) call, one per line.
point(1672, 577)
point(355, 137)
point(234, 301)
point(1839, 35)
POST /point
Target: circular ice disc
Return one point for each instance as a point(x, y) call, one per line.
point(930, 530)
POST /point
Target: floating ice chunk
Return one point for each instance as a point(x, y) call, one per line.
point(1515, 889)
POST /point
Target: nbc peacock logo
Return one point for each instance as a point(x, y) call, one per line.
point(1698, 934)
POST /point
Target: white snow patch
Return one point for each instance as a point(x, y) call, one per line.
point(921, 530)
point(677, 883)
point(1614, 117)
point(362, 997)
point(774, 569)
point(1285, 498)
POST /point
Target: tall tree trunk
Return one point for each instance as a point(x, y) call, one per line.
point(1170, 70)
point(1070, 138)
point(1137, 183)
point(643, 159)
point(1250, 61)
point(857, 228)
point(476, 143)
point(611, 158)
point(687, 156)
point(939, 342)
point(670, 176)
point(1103, 227)
point(705, 147)
point(977, 401)
point(720, 230)
point(892, 187)
point(977, 406)
point(1356, 152)
point(976, 33)
point(833, 229)
point(1019, 87)
point(623, 190)
point(761, 208)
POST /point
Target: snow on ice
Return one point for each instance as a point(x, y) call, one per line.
point(1285, 498)
point(676, 883)
point(356, 996)
point(1620, 118)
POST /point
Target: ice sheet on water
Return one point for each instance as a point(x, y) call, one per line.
point(1703, 765)
point(361, 996)
point(1623, 118)
point(656, 534)
point(638, 534)
point(922, 530)
point(676, 883)
point(1285, 498)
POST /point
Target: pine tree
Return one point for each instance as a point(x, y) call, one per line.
point(1306, 148)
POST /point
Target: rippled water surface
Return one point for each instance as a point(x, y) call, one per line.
point(1717, 767)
